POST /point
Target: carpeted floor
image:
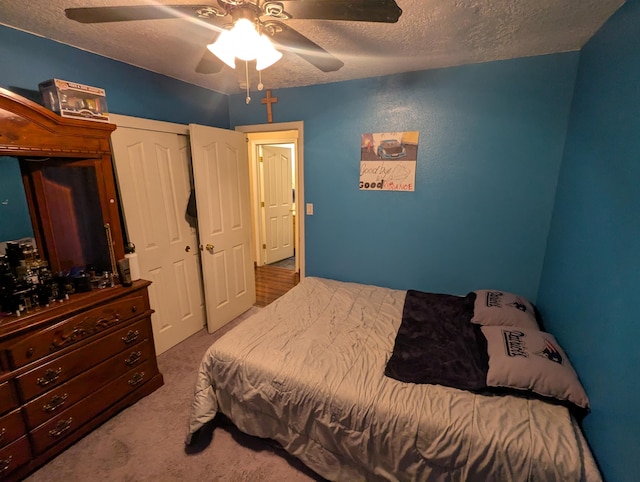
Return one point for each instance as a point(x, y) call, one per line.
point(145, 442)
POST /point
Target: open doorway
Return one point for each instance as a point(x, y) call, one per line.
point(275, 154)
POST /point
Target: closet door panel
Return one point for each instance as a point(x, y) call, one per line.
point(154, 176)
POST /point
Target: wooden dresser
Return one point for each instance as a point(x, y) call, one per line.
point(68, 368)
point(70, 365)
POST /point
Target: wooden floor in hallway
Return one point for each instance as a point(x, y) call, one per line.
point(272, 282)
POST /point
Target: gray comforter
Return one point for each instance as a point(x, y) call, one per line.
point(308, 372)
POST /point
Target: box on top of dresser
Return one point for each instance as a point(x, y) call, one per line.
point(71, 99)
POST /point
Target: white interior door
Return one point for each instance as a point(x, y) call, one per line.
point(278, 203)
point(221, 174)
point(154, 178)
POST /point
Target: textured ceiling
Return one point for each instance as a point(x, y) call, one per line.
point(430, 34)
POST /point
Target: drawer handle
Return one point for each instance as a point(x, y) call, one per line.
point(88, 326)
point(131, 337)
point(5, 464)
point(61, 427)
point(2, 432)
point(56, 402)
point(133, 358)
point(136, 379)
point(49, 377)
point(134, 309)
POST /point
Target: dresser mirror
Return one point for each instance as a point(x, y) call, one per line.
point(72, 228)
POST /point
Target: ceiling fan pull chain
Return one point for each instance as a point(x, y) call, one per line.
point(260, 84)
point(246, 73)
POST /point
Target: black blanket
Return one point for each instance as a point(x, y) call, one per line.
point(438, 344)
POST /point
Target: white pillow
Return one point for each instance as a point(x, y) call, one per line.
point(499, 308)
point(527, 359)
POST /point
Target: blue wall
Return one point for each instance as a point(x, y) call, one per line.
point(27, 60)
point(591, 279)
point(491, 143)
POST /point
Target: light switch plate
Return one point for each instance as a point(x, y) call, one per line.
point(309, 209)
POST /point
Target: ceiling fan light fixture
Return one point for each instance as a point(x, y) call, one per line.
point(267, 54)
point(244, 42)
point(223, 49)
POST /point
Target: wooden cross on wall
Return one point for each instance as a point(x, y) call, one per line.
point(268, 100)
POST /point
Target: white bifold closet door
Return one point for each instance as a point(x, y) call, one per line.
point(221, 175)
point(154, 170)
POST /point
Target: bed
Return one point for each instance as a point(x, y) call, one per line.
point(312, 371)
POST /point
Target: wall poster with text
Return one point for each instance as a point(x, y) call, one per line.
point(388, 161)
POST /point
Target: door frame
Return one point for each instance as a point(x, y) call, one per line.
point(283, 132)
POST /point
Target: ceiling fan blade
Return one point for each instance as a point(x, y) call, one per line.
point(139, 12)
point(386, 11)
point(295, 42)
point(209, 63)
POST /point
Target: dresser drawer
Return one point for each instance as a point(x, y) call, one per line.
point(11, 427)
point(43, 408)
point(56, 372)
point(75, 329)
point(13, 456)
point(8, 399)
point(74, 417)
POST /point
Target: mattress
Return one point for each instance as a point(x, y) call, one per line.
point(308, 372)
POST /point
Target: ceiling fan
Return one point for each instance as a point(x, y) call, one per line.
point(267, 16)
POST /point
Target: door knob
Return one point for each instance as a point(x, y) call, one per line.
point(209, 248)
point(187, 248)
